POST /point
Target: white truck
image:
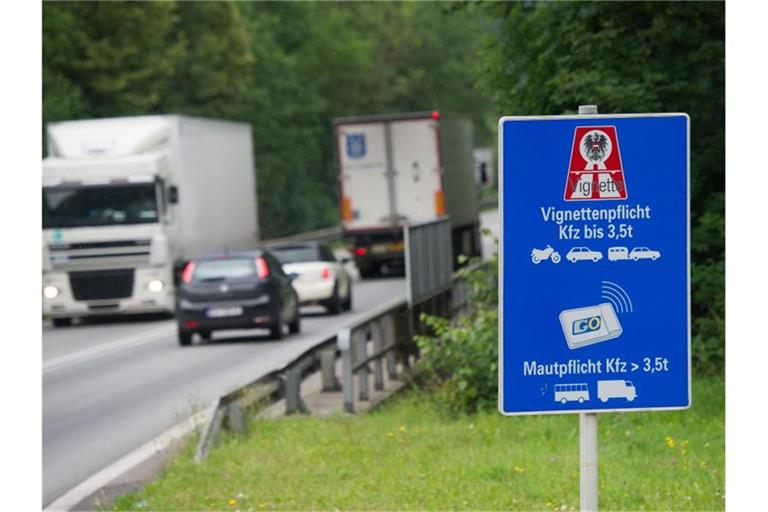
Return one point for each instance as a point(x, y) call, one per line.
point(127, 201)
point(607, 389)
point(399, 169)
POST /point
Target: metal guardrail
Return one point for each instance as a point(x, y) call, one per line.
point(379, 340)
point(376, 329)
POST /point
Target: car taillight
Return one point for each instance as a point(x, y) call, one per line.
point(262, 269)
point(326, 273)
point(361, 251)
point(186, 275)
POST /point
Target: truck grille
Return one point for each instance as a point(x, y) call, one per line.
point(102, 284)
point(114, 253)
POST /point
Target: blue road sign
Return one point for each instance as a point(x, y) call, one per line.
point(595, 265)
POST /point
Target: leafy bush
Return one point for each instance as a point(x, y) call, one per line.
point(460, 358)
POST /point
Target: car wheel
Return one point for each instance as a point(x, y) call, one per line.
point(634, 258)
point(295, 326)
point(367, 272)
point(62, 322)
point(333, 305)
point(185, 338)
point(347, 305)
point(276, 331)
point(595, 259)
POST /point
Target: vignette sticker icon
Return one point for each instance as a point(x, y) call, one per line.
point(595, 171)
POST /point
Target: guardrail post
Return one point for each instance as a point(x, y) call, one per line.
point(293, 401)
point(210, 432)
point(235, 418)
point(409, 330)
point(378, 364)
point(344, 342)
point(328, 370)
point(361, 338)
point(388, 336)
point(447, 311)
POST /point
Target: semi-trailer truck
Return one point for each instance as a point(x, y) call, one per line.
point(404, 169)
point(127, 201)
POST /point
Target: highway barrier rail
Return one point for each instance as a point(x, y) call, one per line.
point(380, 341)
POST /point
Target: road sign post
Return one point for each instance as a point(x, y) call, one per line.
point(594, 281)
point(588, 474)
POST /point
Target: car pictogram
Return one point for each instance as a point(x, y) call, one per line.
point(583, 254)
point(644, 253)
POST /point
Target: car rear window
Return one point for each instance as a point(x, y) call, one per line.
point(230, 268)
point(296, 254)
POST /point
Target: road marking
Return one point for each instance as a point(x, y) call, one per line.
point(132, 341)
point(108, 474)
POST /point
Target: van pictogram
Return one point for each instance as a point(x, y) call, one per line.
point(595, 171)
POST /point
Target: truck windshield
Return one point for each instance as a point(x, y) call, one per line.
point(102, 205)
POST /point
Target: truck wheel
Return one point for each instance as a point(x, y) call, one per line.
point(62, 322)
point(185, 338)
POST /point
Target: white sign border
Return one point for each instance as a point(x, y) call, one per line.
point(500, 175)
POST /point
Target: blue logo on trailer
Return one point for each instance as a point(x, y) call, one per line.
point(614, 313)
point(356, 145)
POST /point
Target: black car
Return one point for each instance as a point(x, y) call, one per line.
point(240, 290)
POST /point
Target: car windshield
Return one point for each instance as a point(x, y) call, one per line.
point(297, 253)
point(102, 205)
point(219, 270)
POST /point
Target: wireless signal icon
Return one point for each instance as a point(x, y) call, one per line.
point(617, 296)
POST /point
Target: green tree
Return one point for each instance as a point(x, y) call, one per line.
point(120, 55)
point(548, 58)
point(287, 68)
point(212, 75)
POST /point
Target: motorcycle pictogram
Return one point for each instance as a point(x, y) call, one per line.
point(548, 253)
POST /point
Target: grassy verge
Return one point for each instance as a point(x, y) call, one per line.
point(406, 456)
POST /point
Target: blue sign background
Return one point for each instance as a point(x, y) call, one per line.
point(534, 158)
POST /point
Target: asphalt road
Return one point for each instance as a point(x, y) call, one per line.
point(110, 387)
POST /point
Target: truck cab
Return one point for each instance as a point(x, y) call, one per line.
point(115, 231)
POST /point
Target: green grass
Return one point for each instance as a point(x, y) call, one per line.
point(407, 456)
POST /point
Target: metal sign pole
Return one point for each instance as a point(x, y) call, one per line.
point(588, 429)
point(588, 461)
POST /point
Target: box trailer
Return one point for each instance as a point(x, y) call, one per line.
point(127, 201)
point(404, 169)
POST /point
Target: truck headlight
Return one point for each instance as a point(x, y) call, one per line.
point(50, 292)
point(155, 285)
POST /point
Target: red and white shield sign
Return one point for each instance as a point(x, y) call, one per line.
point(595, 171)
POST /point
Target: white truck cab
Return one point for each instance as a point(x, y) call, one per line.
point(127, 200)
